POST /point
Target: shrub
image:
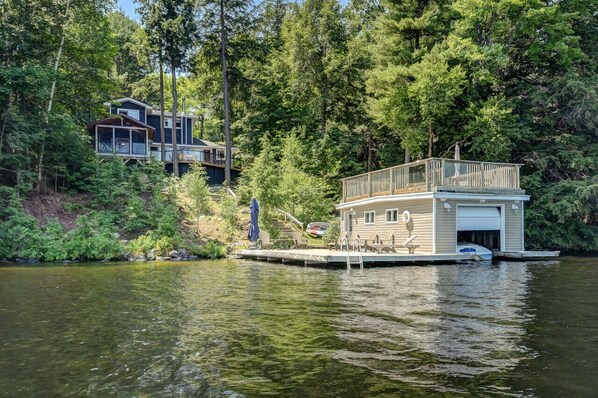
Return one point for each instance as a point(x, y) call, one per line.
point(142, 244)
point(136, 217)
point(53, 242)
point(228, 213)
point(212, 250)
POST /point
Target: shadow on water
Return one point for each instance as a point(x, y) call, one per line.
point(211, 328)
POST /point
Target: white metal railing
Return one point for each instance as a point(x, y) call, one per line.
point(288, 216)
point(424, 175)
point(356, 247)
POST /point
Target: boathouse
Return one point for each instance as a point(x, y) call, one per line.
point(437, 203)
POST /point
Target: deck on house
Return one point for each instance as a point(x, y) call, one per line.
point(336, 257)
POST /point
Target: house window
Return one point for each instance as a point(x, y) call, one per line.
point(122, 142)
point(392, 216)
point(369, 217)
point(105, 140)
point(129, 112)
point(138, 142)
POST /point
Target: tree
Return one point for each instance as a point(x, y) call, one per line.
point(171, 28)
point(195, 192)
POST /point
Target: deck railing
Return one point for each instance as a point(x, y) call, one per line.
point(194, 155)
point(432, 175)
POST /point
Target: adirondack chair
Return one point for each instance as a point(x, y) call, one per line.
point(408, 243)
point(367, 241)
point(336, 245)
point(299, 242)
point(383, 242)
point(264, 241)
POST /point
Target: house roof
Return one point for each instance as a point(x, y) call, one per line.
point(211, 144)
point(127, 99)
point(150, 110)
point(124, 121)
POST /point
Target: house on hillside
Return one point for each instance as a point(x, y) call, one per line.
point(134, 133)
point(442, 201)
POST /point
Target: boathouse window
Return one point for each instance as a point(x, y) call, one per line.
point(392, 216)
point(369, 217)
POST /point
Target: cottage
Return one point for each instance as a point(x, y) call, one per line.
point(134, 133)
point(441, 202)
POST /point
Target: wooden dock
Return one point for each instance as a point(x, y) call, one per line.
point(527, 255)
point(335, 257)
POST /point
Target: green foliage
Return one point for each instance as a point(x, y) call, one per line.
point(53, 242)
point(332, 234)
point(212, 250)
point(194, 192)
point(94, 238)
point(136, 216)
point(142, 244)
point(165, 244)
point(228, 213)
point(20, 236)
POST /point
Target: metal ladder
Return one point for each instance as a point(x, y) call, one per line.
point(356, 245)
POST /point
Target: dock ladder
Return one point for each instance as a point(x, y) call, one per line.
point(356, 247)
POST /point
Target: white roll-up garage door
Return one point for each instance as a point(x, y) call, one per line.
point(478, 218)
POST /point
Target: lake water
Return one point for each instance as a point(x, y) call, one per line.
point(216, 327)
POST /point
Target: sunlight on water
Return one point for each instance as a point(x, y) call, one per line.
point(224, 328)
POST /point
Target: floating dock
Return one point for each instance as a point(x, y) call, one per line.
point(527, 255)
point(335, 257)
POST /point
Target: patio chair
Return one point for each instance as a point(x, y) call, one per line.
point(299, 242)
point(264, 241)
point(336, 245)
point(383, 242)
point(367, 241)
point(408, 243)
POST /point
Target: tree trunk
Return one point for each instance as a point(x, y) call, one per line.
point(370, 152)
point(162, 132)
point(40, 165)
point(323, 106)
point(175, 155)
point(228, 153)
point(407, 156)
point(201, 126)
point(430, 140)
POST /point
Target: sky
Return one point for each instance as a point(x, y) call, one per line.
point(128, 6)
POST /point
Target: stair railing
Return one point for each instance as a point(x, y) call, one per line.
point(289, 217)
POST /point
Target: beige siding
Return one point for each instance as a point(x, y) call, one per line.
point(421, 224)
point(446, 224)
point(446, 227)
point(513, 228)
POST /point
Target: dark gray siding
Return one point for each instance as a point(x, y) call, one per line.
point(189, 130)
point(130, 105)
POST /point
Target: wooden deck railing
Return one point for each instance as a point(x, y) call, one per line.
point(432, 175)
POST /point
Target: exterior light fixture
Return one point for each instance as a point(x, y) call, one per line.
point(447, 207)
point(515, 208)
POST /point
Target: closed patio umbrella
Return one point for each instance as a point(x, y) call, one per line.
point(253, 233)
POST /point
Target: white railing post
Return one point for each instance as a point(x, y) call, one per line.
point(442, 170)
point(483, 168)
point(427, 176)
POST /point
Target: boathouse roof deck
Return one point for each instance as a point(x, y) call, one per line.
point(435, 175)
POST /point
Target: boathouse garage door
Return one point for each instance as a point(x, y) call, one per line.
point(481, 225)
